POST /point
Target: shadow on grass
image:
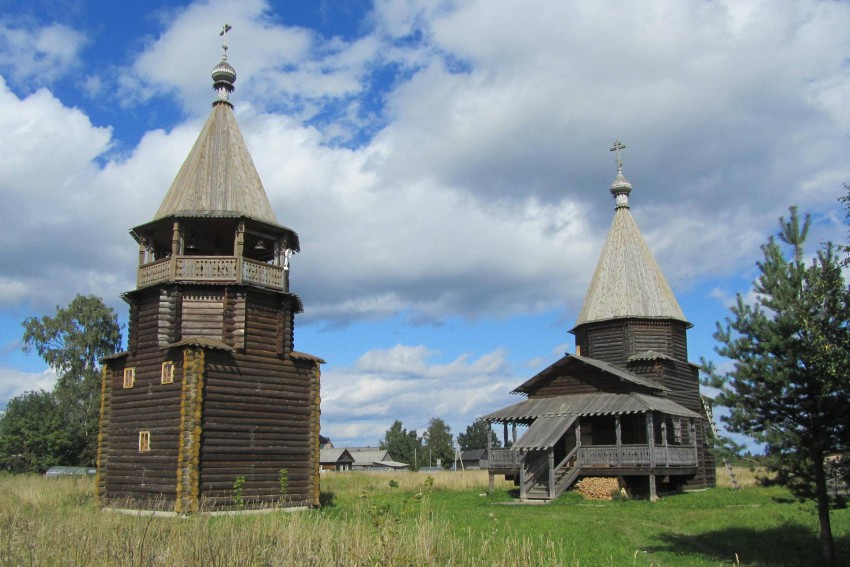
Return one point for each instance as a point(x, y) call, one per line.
point(789, 545)
point(327, 499)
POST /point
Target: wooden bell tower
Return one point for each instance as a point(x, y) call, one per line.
point(211, 407)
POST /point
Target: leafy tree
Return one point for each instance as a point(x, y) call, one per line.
point(72, 342)
point(789, 387)
point(33, 436)
point(475, 436)
point(404, 446)
point(440, 442)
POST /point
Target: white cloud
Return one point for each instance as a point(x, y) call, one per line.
point(14, 382)
point(33, 56)
point(360, 403)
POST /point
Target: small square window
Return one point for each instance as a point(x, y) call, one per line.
point(129, 377)
point(167, 372)
point(144, 441)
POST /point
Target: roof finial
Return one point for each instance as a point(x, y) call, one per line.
point(621, 187)
point(223, 34)
point(615, 148)
point(223, 74)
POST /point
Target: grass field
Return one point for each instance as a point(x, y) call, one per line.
point(407, 519)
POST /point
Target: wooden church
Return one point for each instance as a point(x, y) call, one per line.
point(211, 407)
point(627, 403)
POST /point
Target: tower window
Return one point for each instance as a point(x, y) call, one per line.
point(167, 372)
point(129, 377)
point(144, 441)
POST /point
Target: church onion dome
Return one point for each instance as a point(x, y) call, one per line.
point(627, 283)
point(224, 72)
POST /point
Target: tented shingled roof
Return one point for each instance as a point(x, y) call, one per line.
point(628, 281)
point(218, 177)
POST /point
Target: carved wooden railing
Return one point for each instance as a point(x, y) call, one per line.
point(504, 459)
point(206, 268)
point(154, 273)
point(262, 274)
point(606, 455)
point(223, 269)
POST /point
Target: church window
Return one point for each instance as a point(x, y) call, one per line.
point(129, 377)
point(144, 441)
point(167, 372)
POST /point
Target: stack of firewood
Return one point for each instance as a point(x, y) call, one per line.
point(598, 488)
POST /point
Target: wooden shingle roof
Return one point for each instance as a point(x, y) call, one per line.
point(218, 178)
point(588, 404)
point(628, 281)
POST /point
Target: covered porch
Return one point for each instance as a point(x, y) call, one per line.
point(624, 435)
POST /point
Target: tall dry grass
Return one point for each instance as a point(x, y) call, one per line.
point(58, 522)
point(746, 476)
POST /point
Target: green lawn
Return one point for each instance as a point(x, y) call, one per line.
point(366, 521)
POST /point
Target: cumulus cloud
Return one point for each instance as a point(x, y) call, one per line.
point(32, 56)
point(441, 163)
point(359, 403)
point(14, 383)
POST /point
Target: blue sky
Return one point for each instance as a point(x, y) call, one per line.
point(445, 164)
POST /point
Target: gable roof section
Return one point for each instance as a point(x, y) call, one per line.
point(628, 281)
point(333, 456)
point(588, 404)
point(368, 456)
point(572, 362)
point(218, 177)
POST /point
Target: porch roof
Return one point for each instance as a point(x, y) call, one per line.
point(588, 404)
point(545, 432)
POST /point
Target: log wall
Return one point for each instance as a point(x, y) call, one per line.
point(258, 414)
point(248, 413)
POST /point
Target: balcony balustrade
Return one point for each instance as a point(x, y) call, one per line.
point(212, 269)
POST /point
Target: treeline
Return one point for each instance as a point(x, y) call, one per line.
point(436, 445)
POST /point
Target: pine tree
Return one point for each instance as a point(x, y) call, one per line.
point(789, 388)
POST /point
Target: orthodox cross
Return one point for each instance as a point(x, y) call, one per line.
point(223, 34)
point(616, 148)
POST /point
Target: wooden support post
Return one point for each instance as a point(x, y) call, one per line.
point(176, 248)
point(490, 481)
point(619, 432)
point(513, 433)
point(653, 495)
point(551, 473)
point(650, 437)
point(176, 240)
point(239, 250)
point(692, 434)
point(521, 476)
point(578, 442)
point(505, 434)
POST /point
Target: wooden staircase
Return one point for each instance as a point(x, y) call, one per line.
point(539, 485)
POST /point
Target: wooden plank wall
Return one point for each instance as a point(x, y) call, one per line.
point(588, 381)
point(202, 313)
